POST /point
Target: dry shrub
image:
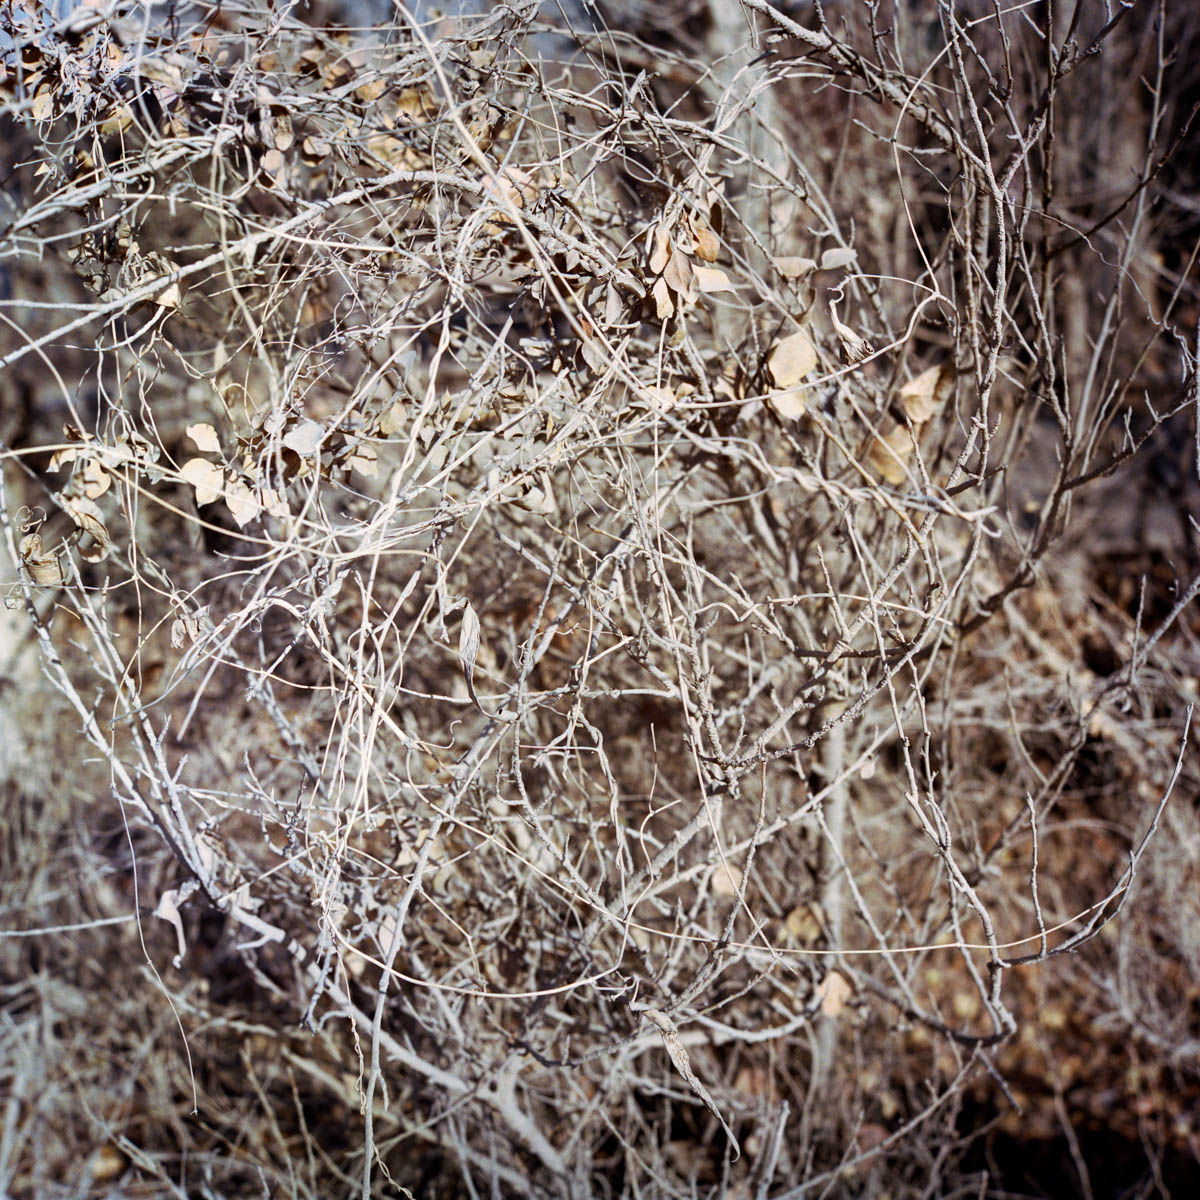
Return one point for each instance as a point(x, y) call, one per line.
point(601, 622)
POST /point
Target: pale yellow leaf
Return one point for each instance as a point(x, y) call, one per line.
point(169, 298)
point(836, 258)
point(725, 881)
point(794, 267)
point(708, 246)
point(791, 404)
point(90, 520)
point(304, 438)
point(664, 306)
point(242, 503)
point(678, 273)
point(710, 279)
point(889, 454)
point(205, 438)
point(206, 477)
point(924, 395)
point(805, 923)
point(834, 990)
point(661, 252)
point(792, 359)
point(95, 480)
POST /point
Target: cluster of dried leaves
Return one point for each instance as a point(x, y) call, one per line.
point(583, 595)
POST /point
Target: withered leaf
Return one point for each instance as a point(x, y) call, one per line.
point(678, 272)
point(725, 882)
point(792, 359)
point(837, 257)
point(661, 252)
point(708, 246)
point(664, 306)
point(678, 1054)
point(710, 280)
point(304, 438)
point(794, 267)
point(928, 392)
point(206, 477)
point(834, 990)
point(790, 403)
point(242, 503)
point(88, 518)
point(204, 436)
point(44, 568)
point(890, 453)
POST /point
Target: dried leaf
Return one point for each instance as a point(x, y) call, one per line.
point(304, 438)
point(924, 395)
point(725, 882)
point(273, 162)
point(95, 480)
point(242, 503)
point(661, 252)
point(392, 421)
point(790, 404)
point(185, 629)
point(710, 279)
point(678, 273)
point(793, 267)
point(512, 184)
point(90, 520)
point(662, 398)
point(708, 246)
point(42, 106)
point(837, 257)
point(44, 569)
point(205, 438)
point(664, 306)
point(315, 148)
point(679, 1056)
point(805, 923)
point(170, 297)
point(468, 647)
point(854, 347)
point(207, 478)
point(792, 359)
point(274, 503)
point(364, 460)
point(834, 990)
point(168, 910)
point(890, 453)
